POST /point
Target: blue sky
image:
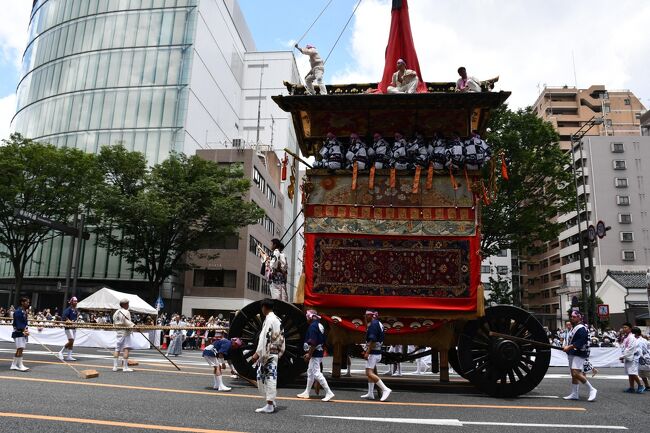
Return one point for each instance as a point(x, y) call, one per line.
point(276, 23)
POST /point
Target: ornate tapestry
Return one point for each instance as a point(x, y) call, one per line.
point(389, 227)
point(392, 267)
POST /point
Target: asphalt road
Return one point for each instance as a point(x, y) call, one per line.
point(52, 398)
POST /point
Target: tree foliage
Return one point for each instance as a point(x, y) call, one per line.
point(55, 183)
point(539, 187)
point(500, 292)
point(154, 217)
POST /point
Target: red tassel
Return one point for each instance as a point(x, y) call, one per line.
point(285, 161)
point(453, 180)
point(504, 168)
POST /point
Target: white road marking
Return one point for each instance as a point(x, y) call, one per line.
point(459, 423)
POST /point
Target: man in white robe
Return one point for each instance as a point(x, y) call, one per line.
point(317, 70)
point(270, 348)
point(122, 317)
point(404, 80)
point(467, 84)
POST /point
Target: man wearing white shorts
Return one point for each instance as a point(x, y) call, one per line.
point(313, 345)
point(122, 317)
point(20, 334)
point(374, 341)
point(70, 314)
point(577, 349)
point(215, 354)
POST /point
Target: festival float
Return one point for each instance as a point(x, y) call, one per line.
point(405, 242)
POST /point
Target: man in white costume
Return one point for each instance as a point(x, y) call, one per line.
point(122, 317)
point(404, 80)
point(276, 270)
point(317, 70)
point(467, 84)
point(314, 344)
point(270, 348)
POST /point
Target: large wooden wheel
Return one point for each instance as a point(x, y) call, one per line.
point(501, 367)
point(247, 325)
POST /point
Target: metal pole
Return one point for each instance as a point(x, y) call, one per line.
point(77, 258)
point(592, 283)
point(68, 272)
point(580, 244)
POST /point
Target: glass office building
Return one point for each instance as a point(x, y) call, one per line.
point(97, 72)
point(156, 75)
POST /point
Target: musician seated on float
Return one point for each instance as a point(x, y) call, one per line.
point(331, 154)
point(467, 84)
point(404, 80)
point(357, 152)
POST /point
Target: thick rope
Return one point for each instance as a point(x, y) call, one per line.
point(312, 24)
point(341, 34)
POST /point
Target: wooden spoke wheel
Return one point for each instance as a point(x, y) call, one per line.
point(452, 357)
point(247, 325)
point(501, 367)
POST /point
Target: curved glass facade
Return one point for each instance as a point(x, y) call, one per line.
point(97, 72)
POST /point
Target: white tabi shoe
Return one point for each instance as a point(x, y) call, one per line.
point(592, 394)
point(385, 393)
point(368, 396)
point(571, 397)
point(70, 359)
point(328, 396)
point(269, 408)
point(303, 394)
point(127, 370)
point(59, 355)
point(224, 388)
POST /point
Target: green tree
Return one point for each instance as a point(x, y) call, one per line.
point(155, 217)
point(539, 188)
point(55, 183)
point(500, 291)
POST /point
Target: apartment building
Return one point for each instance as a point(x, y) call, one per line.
point(550, 279)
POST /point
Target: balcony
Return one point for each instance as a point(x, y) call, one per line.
point(584, 188)
point(571, 249)
point(573, 230)
point(571, 267)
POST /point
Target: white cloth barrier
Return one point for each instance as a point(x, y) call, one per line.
point(55, 338)
point(599, 357)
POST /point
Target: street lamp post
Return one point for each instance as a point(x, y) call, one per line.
point(576, 140)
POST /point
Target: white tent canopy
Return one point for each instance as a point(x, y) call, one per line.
point(108, 299)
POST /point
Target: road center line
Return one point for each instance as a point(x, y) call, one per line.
point(111, 423)
point(234, 395)
point(460, 423)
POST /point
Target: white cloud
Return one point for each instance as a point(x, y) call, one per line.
point(526, 43)
point(7, 110)
point(14, 22)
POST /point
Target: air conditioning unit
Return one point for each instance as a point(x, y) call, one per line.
point(236, 142)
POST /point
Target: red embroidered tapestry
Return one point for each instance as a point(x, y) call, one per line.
point(433, 273)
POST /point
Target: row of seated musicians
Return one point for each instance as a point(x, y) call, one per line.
point(442, 152)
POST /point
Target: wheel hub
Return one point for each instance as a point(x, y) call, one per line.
point(506, 353)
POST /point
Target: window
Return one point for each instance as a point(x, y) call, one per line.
point(606, 108)
point(618, 148)
point(252, 246)
point(253, 282)
point(623, 200)
point(502, 270)
point(628, 255)
point(627, 236)
point(627, 101)
point(619, 164)
point(485, 269)
point(270, 195)
point(620, 182)
point(258, 179)
point(215, 278)
point(625, 218)
point(266, 289)
point(226, 243)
